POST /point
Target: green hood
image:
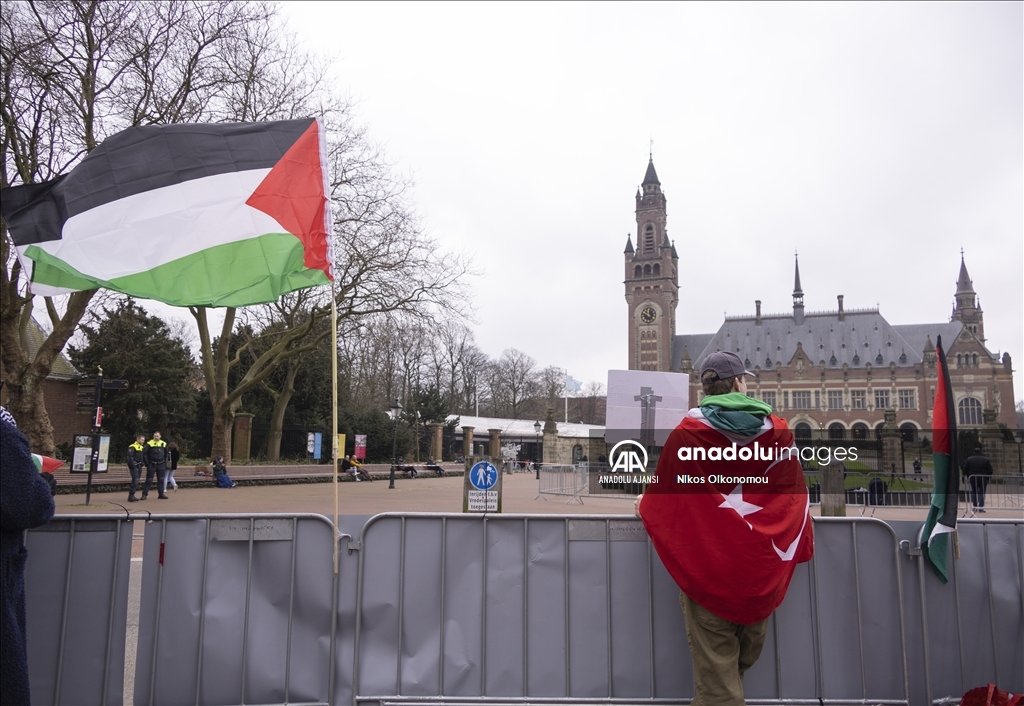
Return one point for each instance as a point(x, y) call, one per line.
point(735, 412)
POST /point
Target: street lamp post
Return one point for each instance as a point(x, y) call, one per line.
point(396, 409)
point(536, 463)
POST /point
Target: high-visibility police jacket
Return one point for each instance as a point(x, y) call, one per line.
point(136, 456)
point(156, 452)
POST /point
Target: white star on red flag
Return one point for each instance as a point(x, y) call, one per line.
point(736, 502)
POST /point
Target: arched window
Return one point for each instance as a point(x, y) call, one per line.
point(577, 454)
point(638, 271)
point(836, 431)
point(647, 270)
point(657, 270)
point(802, 430)
point(975, 361)
point(909, 432)
point(649, 238)
point(859, 431)
point(970, 411)
point(959, 360)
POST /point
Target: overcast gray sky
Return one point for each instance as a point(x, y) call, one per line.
point(876, 139)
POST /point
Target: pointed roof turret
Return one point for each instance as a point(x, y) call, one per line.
point(963, 282)
point(798, 296)
point(797, 291)
point(629, 246)
point(651, 177)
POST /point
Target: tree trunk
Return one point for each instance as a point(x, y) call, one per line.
point(281, 401)
point(26, 403)
point(25, 378)
point(222, 424)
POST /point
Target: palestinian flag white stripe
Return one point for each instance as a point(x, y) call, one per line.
point(94, 241)
point(192, 215)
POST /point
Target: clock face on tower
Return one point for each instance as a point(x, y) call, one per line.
point(648, 315)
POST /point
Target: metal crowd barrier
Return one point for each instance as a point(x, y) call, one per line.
point(563, 479)
point(873, 490)
point(993, 492)
point(501, 609)
point(536, 609)
point(970, 631)
point(76, 602)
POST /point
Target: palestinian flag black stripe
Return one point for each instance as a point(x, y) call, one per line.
point(193, 215)
point(142, 159)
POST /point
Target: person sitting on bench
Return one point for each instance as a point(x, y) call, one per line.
point(411, 470)
point(220, 474)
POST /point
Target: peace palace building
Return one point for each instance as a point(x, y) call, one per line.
point(827, 370)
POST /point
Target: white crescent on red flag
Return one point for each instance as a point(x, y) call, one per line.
point(730, 546)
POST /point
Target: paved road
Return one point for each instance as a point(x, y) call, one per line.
point(424, 494)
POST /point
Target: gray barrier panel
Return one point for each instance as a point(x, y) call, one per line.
point(236, 609)
point(969, 631)
point(521, 608)
point(76, 608)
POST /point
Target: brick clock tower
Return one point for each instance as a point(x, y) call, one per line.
point(652, 280)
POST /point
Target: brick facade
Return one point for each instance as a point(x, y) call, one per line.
point(836, 371)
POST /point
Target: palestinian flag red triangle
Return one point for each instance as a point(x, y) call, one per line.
point(193, 215)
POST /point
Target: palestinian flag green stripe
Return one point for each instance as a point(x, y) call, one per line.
point(241, 273)
point(167, 213)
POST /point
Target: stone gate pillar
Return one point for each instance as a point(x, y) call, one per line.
point(891, 458)
point(467, 446)
point(495, 445)
point(241, 437)
point(436, 432)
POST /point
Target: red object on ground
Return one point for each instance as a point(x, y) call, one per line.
point(990, 696)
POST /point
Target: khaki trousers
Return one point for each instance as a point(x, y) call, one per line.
point(722, 652)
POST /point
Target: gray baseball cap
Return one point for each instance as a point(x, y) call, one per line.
point(725, 364)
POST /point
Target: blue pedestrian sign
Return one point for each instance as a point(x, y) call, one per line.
point(483, 475)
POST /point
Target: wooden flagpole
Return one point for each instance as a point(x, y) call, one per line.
point(334, 417)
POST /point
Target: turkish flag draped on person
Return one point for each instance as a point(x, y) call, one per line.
point(732, 522)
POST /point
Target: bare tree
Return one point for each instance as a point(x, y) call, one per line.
point(512, 381)
point(590, 403)
point(73, 73)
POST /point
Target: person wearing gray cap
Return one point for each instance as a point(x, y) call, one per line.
point(729, 517)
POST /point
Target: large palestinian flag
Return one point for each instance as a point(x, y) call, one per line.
point(192, 215)
point(941, 522)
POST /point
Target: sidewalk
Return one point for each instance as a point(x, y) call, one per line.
point(423, 494)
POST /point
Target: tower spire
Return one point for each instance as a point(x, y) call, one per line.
point(966, 308)
point(651, 177)
point(798, 293)
point(964, 285)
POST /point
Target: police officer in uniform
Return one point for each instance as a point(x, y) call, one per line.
point(136, 461)
point(157, 456)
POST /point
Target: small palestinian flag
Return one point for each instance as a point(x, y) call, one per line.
point(941, 522)
point(46, 464)
point(192, 215)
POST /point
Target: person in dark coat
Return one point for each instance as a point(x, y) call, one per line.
point(220, 474)
point(136, 463)
point(977, 469)
point(157, 457)
point(25, 502)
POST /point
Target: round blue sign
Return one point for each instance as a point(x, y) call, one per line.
point(483, 475)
